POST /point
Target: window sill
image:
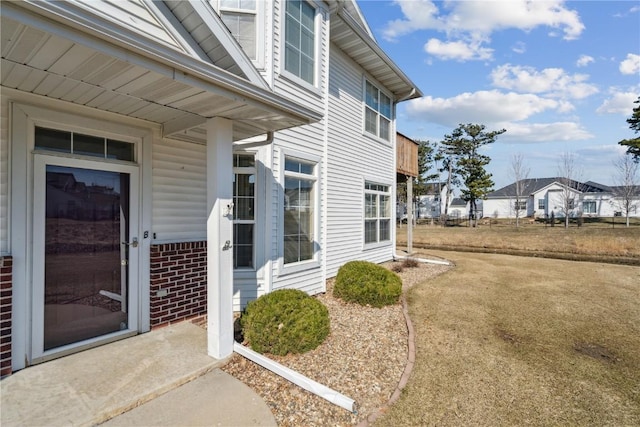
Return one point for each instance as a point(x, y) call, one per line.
point(376, 139)
point(286, 269)
point(376, 245)
point(302, 84)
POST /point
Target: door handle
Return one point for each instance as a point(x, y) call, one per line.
point(133, 244)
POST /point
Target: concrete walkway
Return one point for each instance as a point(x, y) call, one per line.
point(163, 377)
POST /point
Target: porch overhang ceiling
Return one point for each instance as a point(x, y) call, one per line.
point(84, 59)
point(357, 42)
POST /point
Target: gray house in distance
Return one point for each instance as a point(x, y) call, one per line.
point(543, 196)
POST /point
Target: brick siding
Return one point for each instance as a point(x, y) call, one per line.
point(6, 293)
point(180, 269)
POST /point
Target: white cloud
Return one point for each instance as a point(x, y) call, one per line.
point(485, 17)
point(481, 107)
point(419, 14)
point(584, 60)
point(458, 50)
point(545, 132)
point(631, 65)
point(519, 47)
point(553, 82)
point(618, 103)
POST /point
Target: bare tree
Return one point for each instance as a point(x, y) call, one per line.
point(568, 174)
point(520, 173)
point(627, 190)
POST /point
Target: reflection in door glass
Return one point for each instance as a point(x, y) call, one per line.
point(85, 261)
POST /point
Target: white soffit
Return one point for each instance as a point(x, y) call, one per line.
point(60, 55)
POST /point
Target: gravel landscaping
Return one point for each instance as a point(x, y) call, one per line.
point(364, 358)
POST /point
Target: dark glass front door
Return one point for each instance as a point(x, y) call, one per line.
point(86, 257)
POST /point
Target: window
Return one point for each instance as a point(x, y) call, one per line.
point(571, 203)
point(299, 210)
point(377, 213)
point(240, 17)
point(377, 114)
point(520, 206)
point(84, 145)
point(244, 202)
point(540, 203)
point(299, 50)
point(589, 207)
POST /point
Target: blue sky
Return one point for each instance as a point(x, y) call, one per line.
point(560, 76)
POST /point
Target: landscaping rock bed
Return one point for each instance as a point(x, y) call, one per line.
point(363, 357)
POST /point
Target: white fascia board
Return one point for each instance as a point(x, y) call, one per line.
point(87, 29)
point(219, 30)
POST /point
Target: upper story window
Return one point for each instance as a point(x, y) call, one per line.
point(300, 30)
point(84, 145)
point(241, 18)
point(244, 212)
point(377, 112)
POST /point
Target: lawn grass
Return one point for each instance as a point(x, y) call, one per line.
point(590, 239)
point(505, 340)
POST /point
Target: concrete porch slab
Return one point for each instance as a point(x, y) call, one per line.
point(93, 386)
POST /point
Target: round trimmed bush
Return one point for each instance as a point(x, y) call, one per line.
point(285, 321)
point(367, 284)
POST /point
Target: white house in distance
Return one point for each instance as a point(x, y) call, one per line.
point(543, 196)
point(165, 160)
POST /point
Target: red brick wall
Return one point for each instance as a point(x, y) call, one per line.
point(180, 269)
point(6, 274)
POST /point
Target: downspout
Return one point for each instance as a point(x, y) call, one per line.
point(297, 378)
point(398, 257)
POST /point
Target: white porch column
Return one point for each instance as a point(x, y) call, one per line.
point(219, 238)
point(409, 215)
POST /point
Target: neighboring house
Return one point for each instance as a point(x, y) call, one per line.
point(459, 208)
point(431, 204)
point(165, 160)
point(543, 196)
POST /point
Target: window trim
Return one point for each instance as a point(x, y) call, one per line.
point(314, 262)
point(252, 170)
point(365, 107)
point(378, 243)
point(590, 202)
point(259, 14)
point(317, 22)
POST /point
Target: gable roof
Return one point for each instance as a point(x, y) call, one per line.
point(534, 185)
point(74, 52)
point(351, 34)
point(458, 202)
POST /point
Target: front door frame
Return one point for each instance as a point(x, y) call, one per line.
point(26, 112)
point(41, 161)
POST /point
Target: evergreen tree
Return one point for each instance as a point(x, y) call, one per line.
point(462, 147)
point(633, 144)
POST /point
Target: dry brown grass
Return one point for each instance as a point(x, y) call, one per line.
point(504, 340)
point(591, 239)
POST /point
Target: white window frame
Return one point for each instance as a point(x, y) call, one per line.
point(317, 22)
point(26, 114)
point(259, 14)
point(314, 261)
point(378, 113)
point(247, 170)
point(378, 218)
point(593, 203)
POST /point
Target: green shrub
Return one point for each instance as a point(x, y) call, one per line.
point(285, 321)
point(367, 284)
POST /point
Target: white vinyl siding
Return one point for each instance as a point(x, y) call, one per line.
point(179, 191)
point(352, 160)
point(4, 175)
